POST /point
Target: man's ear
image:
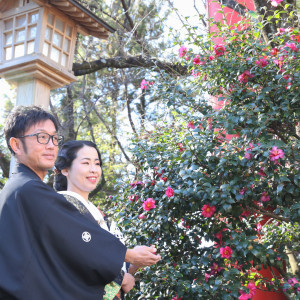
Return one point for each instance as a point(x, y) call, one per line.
point(16, 145)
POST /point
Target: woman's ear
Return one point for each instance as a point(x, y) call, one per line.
point(16, 145)
point(65, 172)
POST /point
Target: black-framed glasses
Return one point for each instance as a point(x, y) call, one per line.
point(44, 138)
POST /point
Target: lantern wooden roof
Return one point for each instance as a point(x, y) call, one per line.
point(89, 23)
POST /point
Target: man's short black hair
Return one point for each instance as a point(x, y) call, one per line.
point(22, 118)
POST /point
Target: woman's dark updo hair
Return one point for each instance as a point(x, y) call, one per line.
point(65, 157)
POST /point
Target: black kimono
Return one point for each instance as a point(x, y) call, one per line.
point(48, 249)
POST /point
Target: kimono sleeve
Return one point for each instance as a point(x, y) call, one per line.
point(67, 240)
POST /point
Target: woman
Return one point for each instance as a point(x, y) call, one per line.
point(78, 171)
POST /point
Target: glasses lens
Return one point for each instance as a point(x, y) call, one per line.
point(60, 140)
point(43, 138)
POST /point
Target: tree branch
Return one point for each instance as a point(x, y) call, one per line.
point(110, 132)
point(239, 8)
point(120, 62)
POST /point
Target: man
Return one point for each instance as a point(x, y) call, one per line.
point(48, 249)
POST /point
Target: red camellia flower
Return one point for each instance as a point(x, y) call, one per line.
point(274, 51)
point(226, 252)
point(261, 172)
point(219, 50)
point(169, 192)
point(244, 77)
point(275, 154)
point(264, 197)
point(295, 38)
point(149, 204)
point(144, 84)
point(262, 62)
point(208, 211)
point(197, 61)
point(182, 51)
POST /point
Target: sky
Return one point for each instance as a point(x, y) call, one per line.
point(185, 8)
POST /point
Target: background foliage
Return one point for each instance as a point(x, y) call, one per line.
point(217, 191)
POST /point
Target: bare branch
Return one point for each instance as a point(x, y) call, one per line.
point(120, 62)
point(110, 132)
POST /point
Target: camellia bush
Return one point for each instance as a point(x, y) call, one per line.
point(217, 190)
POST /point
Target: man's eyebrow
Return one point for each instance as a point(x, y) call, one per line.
point(44, 131)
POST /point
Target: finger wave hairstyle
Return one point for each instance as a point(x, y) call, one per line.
point(65, 157)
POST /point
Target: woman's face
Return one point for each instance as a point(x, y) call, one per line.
point(84, 173)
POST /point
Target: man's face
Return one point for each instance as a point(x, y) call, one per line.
point(38, 157)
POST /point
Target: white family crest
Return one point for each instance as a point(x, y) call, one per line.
point(86, 236)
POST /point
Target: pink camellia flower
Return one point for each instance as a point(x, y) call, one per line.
point(215, 269)
point(206, 277)
point(136, 183)
point(142, 216)
point(281, 31)
point(182, 51)
point(184, 224)
point(275, 154)
point(292, 281)
point(133, 198)
point(144, 84)
point(197, 61)
point(180, 146)
point(195, 74)
point(252, 288)
point(279, 62)
point(244, 77)
point(176, 298)
point(263, 62)
point(264, 197)
point(275, 3)
point(149, 204)
point(248, 155)
point(244, 296)
point(191, 125)
point(219, 50)
point(211, 57)
point(208, 211)
point(226, 252)
point(292, 46)
point(258, 227)
point(169, 192)
point(243, 190)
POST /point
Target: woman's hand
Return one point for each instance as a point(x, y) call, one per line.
point(132, 269)
point(127, 283)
